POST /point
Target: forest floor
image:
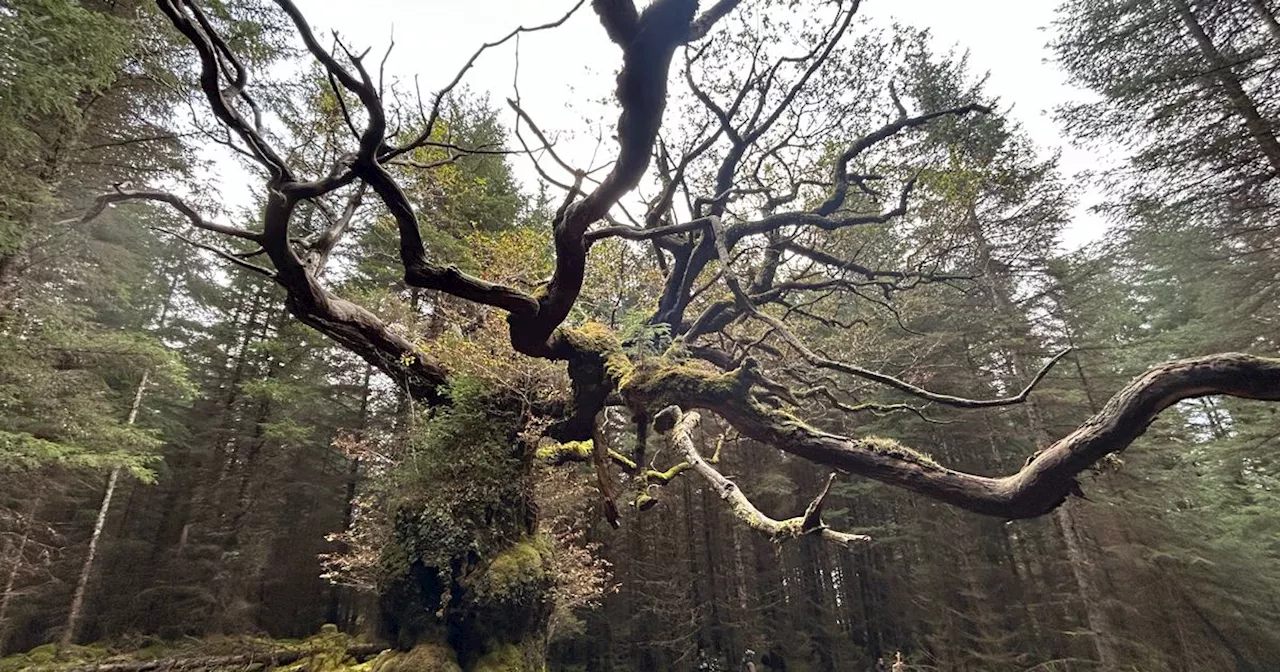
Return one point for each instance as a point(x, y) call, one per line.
point(329, 651)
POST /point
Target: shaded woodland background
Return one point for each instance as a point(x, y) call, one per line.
point(257, 447)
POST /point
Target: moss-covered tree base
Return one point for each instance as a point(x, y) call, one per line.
point(466, 582)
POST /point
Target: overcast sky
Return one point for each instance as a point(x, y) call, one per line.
point(575, 62)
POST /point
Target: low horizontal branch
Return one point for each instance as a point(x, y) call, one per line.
point(779, 531)
point(1036, 489)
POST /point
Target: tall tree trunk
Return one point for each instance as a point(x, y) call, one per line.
point(9, 262)
point(77, 599)
point(1241, 103)
point(1082, 565)
point(1082, 570)
point(1242, 663)
point(10, 584)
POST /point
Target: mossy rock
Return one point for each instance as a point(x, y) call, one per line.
point(504, 658)
point(427, 657)
point(51, 656)
point(329, 652)
point(45, 653)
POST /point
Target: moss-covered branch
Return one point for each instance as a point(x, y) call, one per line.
point(1038, 488)
point(557, 454)
point(778, 530)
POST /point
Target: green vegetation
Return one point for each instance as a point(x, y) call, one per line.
point(399, 411)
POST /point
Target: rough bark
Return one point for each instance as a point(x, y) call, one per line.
point(1038, 488)
point(1091, 594)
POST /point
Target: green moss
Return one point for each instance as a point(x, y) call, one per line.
point(664, 477)
point(505, 658)
point(618, 367)
point(559, 453)
point(618, 458)
point(894, 449)
point(591, 337)
point(645, 501)
point(53, 657)
point(594, 337)
point(325, 652)
point(426, 657)
point(328, 653)
point(43, 653)
point(515, 571)
point(659, 382)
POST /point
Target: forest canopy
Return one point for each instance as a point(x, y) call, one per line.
point(796, 366)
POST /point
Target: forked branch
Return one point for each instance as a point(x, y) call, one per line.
point(681, 439)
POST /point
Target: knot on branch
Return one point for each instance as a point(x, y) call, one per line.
point(666, 419)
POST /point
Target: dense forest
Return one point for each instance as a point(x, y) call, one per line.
point(795, 375)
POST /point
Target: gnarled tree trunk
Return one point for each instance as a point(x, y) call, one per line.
point(467, 581)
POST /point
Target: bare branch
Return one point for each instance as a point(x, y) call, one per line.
point(840, 169)
point(324, 245)
point(748, 306)
point(705, 21)
point(547, 145)
point(233, 258)
point(213, 52)
point(877, 409)
point(637, 233)
point(430, 122)
point(177, 203)
point(812, 519)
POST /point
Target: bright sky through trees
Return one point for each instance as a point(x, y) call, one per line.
point(561, 71)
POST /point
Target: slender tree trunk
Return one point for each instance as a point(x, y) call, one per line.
point(1082, 565)
point(1259, 128)
point(77, 600)
point(338, 595)
point(8, 281)
point(1242, 663)
point(9, 584)
point(1082, 569)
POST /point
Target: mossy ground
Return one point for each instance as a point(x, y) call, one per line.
point(421, 658)
point(326, 652)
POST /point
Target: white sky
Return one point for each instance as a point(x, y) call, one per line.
point(575, 62)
